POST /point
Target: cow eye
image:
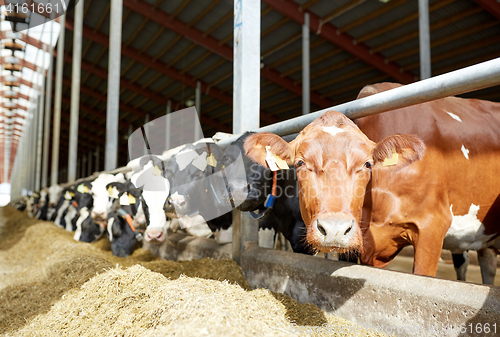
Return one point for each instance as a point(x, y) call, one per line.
point(300, 163)
point(368, 165)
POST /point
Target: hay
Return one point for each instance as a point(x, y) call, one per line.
point(54, 286)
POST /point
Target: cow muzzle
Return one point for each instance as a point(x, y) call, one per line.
point(334, 232)
point(154, 236)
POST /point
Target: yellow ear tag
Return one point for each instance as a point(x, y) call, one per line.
point(270, 159)
point(113, 192)
point(281, 163)
point(212, 161)
point(80, 188)
point(110, 191)
point(131, 199)
point(124, 199)
point(67, 195)
point(391, 161)
point(85, 189)
point(156, 171)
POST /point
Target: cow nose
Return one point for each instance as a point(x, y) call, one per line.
point(154, 235)
point(334, 227)
point(51, 204)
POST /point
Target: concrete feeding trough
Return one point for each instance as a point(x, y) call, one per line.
point(396, 303)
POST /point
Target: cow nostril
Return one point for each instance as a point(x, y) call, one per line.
point(348, 230)
point(321, 229)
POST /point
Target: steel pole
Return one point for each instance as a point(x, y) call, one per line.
point(48, 106)
point(168, 125)
point(56, 127)
point(75, 91)
point(306, 102)
point(246, 100)
point(424, 39)
point(39, 132)
point(113, 103)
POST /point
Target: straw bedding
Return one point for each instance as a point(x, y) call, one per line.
point(51, 285)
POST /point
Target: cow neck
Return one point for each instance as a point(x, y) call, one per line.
point(210, 180)
point(130, 222)
point(269, 202)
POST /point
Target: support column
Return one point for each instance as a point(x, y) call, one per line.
point(39, 131)
point(306, 103)
point(198, 134)
point(97, 154)
point(168, 125)
point(75, 91)
point(56, 125)
point(246, 100)
point(424, 39)
point(113, 103)
point(146, 130)
point(48, 107)
point(90, 155)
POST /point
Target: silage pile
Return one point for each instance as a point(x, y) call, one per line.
point(51, 285)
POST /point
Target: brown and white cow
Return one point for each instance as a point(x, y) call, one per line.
point(440, 185)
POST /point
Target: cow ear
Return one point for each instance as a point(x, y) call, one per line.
point(400, 150)
point(255, 148)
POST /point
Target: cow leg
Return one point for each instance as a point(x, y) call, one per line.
point(461, 262)
point(487, 259)
point(428, 248)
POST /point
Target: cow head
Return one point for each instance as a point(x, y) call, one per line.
point(102, 202)
point(155, 189)
point(55, 192)
point(333, 159)
point(334, 162)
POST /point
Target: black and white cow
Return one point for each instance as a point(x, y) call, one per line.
point(122, 224)
point(252, 191)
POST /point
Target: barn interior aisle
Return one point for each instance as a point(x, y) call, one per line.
point(51, 285)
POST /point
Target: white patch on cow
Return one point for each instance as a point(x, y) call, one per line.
point(466, 232)
point(69, 216)
point(111, 221)
point(452, 115)
point(171, 152)
point(55, 193)
point(266, 237)
point(60, 212)
point(223, 236)
point(200, 162)
point(195, 226)
point(205, 141)
point(102, 204)
point(155, 201)
point(184, 158)
point(43, 196)
point(174, 224)
point(465, 152)
point(84, 214)
point(333, 130)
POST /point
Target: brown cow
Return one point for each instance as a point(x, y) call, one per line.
point(447, 176)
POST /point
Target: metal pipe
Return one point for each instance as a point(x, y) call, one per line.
point(48, 106)
point(39, 132)
point(90, 155)
point(476, 77)
point(97, 159)
point(113, 103)
point(56, 125)
point(168, 125)
point(75, 91)
point(424, 39)
point(246, 100)
point(198, 134)
point(306, 102)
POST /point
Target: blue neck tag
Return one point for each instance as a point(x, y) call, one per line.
point(269, 203)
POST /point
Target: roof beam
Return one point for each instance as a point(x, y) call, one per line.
point(491, 6)
point(214, 45)
point(331, 33)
